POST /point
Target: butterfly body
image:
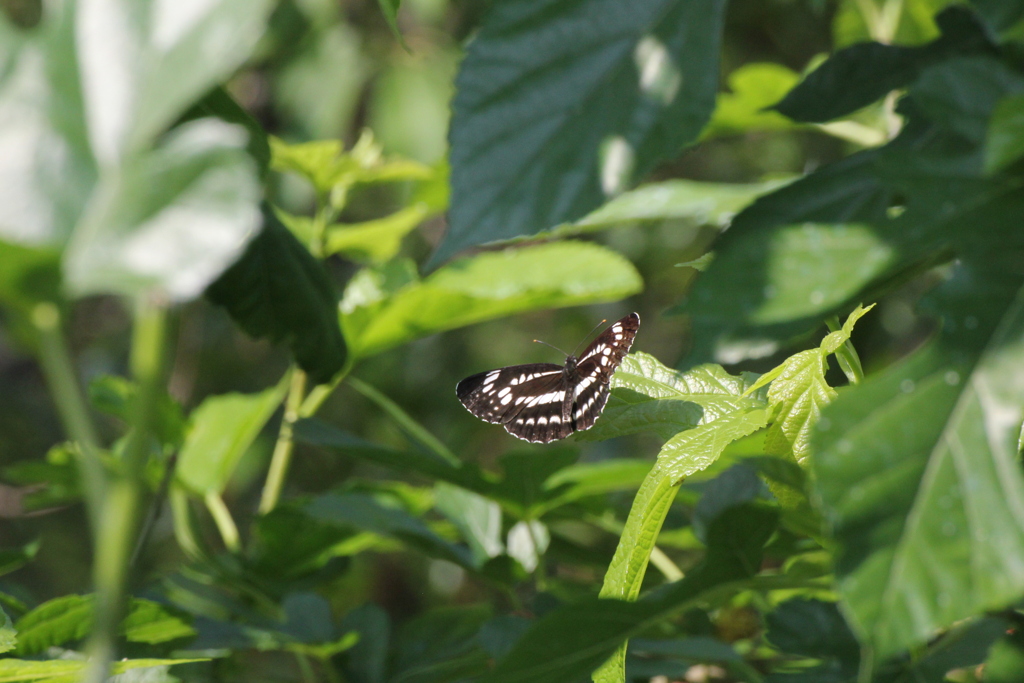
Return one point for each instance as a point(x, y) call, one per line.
point(543, 402)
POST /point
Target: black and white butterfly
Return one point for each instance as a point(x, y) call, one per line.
point(543, 402)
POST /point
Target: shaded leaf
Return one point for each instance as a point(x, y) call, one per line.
point(571, 641)
point(856, 76)
point(1005, 142)
point(917, 470)
point(279, 291)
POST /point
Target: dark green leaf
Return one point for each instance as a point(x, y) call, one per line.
point(440, 646)
point(322, 434)
point(116, 396)
point(367, 660)
point(1006, 660)
point(620, 89)
point(572, 641)
point(360, 511)
point(1000, 14)
point(814, 629)
point(861, 74)
point(15, 558)
point(279, 291)
point(736, 486)
point(917, 469)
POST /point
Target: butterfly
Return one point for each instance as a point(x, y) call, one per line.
point(543, 402)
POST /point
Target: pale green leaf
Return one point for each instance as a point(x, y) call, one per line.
point(222, 429)
point(380, 311)
point(374, 241)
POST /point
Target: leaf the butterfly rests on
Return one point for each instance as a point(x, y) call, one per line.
point(543, 402)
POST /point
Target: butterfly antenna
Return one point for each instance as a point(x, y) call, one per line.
point(588, 336)
point(551, 345)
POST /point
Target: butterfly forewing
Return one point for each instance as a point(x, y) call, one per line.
point(544, 402)
point(497, 395)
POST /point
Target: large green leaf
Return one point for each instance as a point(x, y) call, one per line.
point(386, 307)
point(222, 429)
point(66, 671)
point(647, 396)
point(559, 105)
point(143, 64)
point(171, 220)
point(917, 470)
point(279, 291)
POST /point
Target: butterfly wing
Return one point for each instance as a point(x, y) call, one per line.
point(545, 416)
point(499, 395)
point(596, 366)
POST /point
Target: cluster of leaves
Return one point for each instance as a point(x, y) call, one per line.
point(899, 496)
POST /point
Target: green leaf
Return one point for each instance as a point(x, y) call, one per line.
point(917, 470)
point(753, 88)
point(55, 622)
point(156, 71)
point(695, 202)
point(320, 433)
point(363, 512)
point(171, 220)
point(856, 76)
point(374, 241)
point(815, 629)
point(382, 309)
point(279, 291)
point(8, 634)
point(67, 671)
point(69, 618)
point(222, 429)
point(115, 396)
point(15, 558)
point(476, 517)
point(647, 396)
point(152, 623)
point(799, 392)
point(389, 8)
point(1005, 142)
point(619, 94)
point(327, 166)
point(367, 660)
point(28, 276)
point(571, 641)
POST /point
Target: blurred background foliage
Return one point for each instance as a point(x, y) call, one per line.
point(332, 69)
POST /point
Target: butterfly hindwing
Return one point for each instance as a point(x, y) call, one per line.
point(596, 367)
point(495, 395)
point(546, 416)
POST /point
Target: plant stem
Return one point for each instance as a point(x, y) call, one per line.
point(849, 359)
point(282, 457)
point(71, 406)
point(154, 508)
point(225, 523)
point(413, 428)
point(118, 521)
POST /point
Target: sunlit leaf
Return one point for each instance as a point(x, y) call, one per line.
point(482, 287)
point(172, 220)
point(221, 430)
point(374, 241)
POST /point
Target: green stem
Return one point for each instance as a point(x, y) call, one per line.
point(411, 427)
point(305, 667)
point(71, 406)
point(282, 457)
point(225, 523)
point(849, 359)
point(120, 508)
point(154, 508)
point(183, 531)
point(322, 392)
